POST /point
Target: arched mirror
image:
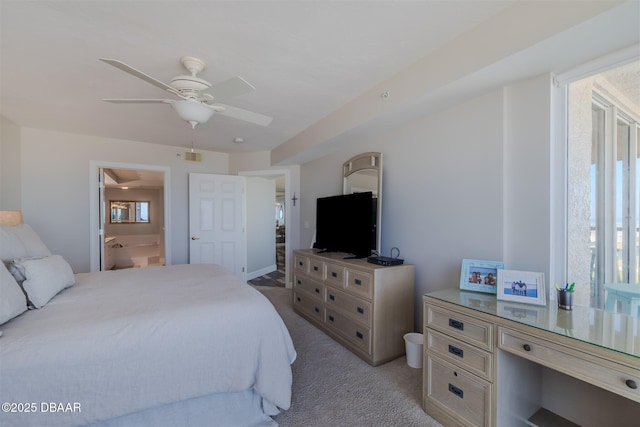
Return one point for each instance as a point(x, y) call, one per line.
point(363, 173)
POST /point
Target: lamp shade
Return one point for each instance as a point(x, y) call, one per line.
point(10, 218)
point(192, 111)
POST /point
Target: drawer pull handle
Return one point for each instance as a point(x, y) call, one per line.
point(317, 291)
point(455, 390)
point(359, 335)
point(317, 310)
point(331, 318)
point(332, 298)
point(315, 268)
point(357, 282)
point(456, 324)
point(360, 310)
point(334, 274)
point(300, 263)
point(631, 384)
point(299, 282)
point(456, 351)
point(526, 347)
point(298, 298)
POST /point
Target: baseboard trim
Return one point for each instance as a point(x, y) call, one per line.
point(270, 269)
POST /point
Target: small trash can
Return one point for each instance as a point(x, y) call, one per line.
point(413, 342)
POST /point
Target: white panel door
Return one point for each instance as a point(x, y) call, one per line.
point(217, 221)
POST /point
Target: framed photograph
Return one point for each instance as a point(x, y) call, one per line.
point(521, 286)
point(480, 276)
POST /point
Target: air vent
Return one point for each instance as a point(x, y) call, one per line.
point(192, 156)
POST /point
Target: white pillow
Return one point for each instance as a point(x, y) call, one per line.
point(12, 299)
point(16, 268)
point(45, 277)
point(19, 241)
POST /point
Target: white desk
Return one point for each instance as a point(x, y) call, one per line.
point(498, 363)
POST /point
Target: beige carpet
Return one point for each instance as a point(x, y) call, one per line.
point(333, 387)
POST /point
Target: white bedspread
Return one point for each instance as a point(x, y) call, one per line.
point(121, 341)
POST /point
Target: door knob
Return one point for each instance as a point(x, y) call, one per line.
point(195, 238)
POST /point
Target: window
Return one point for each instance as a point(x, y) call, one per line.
point(603, 224)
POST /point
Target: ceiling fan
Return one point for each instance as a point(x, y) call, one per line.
point(194, 105)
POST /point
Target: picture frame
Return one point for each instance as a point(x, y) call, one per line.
point(480, 276)
point(521, 286)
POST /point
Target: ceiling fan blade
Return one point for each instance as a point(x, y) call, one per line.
point(227, 89)
point(247, 116)
point(137, 73)
point(139, 101)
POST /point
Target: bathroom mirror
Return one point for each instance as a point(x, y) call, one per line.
point(129, 212)
point(363, 173)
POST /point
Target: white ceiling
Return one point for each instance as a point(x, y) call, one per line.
point(305, 58)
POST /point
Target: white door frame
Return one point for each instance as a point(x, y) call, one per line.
point(94, 204)
point(287, 212)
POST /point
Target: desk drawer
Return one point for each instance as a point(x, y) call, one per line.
point(460, 393)
point(316, 269)
point(301, 263)
point(359, 283)
point(353, 332)
point(610, 376)
point(473, 359)
point(334, 274)
point(308, 304)
point(356, 308)
point(465, 328)
point(308, 285)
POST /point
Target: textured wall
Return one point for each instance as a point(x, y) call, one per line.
point(579, 189)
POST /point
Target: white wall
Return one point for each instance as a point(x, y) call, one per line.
point(527, 176)
point(470, 181)
point(55, 187)
point(10, 194)
point(261, 228)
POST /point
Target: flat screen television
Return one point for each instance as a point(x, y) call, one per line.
point(346, 223)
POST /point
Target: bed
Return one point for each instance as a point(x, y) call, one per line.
point(181, 345)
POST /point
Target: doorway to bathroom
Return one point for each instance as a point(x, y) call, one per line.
point(129, 216)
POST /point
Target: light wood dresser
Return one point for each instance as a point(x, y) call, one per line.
point(365, 307)
point(499, 363)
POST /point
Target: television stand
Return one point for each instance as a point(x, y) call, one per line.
point(365, 307)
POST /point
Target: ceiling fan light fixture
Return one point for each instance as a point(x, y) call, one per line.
point(192, 111)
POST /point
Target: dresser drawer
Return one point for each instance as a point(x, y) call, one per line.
point(355, 308)
point(359, 283)
point(459, 393)
point(465, 328)
point(353, 332)
point(334, 274)
point(302, 282)
point(301, 263)
point(471, 358)
point(316, 269)
point(610, 376)
point(308, 304)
